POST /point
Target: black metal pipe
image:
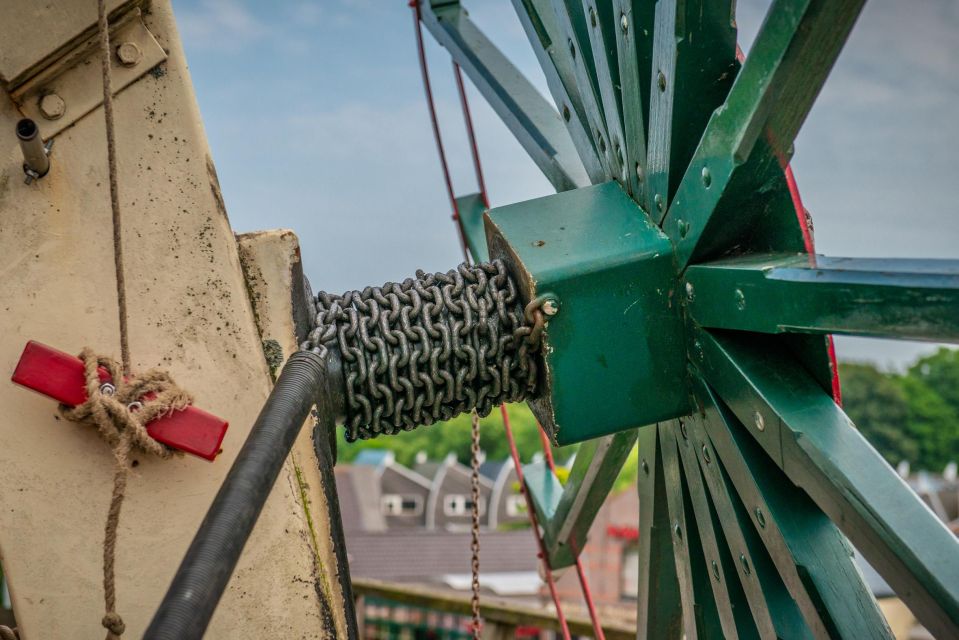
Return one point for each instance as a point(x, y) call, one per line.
point(206, 569)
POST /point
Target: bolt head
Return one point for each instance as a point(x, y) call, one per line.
point(129, 54)
point(760, 421)
point(624, 23)
point(690, 292)
point(551, 307)
point(52, 106)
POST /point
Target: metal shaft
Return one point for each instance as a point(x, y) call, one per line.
point(36, 162)
point(206, 569)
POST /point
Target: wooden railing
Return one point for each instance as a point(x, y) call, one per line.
point(500, 617)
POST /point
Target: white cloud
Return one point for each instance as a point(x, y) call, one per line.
point(219, 24)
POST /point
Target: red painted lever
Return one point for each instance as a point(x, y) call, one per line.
point(60, 376)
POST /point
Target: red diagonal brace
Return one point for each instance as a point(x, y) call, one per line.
point(60, 376)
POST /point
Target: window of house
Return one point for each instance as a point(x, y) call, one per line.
point(398, 505)
point(515, 506)
point(460, 505)
point(629, 573)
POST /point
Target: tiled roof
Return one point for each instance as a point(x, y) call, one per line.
point(425, 556)
point(358, 489)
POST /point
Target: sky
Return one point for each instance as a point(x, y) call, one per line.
point(317, 121)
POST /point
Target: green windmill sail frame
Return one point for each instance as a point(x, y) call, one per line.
point(753, 482)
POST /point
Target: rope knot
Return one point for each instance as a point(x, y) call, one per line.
point(113, 623)
point(122, 408)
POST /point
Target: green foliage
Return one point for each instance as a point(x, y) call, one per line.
point(454, 436)
point(912, 416)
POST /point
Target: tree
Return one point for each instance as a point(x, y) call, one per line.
point(877, 404)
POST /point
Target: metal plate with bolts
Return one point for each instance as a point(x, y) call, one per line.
point(69, 89)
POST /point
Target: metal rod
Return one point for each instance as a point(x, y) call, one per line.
point(206, 569)
point(36, 161)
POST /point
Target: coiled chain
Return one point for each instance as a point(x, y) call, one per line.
point(430, 348)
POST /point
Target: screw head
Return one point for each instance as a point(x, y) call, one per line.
point(566, 114)
point(759, 420)
point(592, 16)
point(551, 307)
point(639, 172)
point(760, 517)
point(678, 531)
point(690, 292)
point(129, 54)
point(682, 429)
point(707, 177)
point(740, 299)
point(715, 570)
point(659, 201)
point(624, 23)
point(52, 106)
point(706, 455)
point(661, 81)
point(743, 561)
point(645, 466)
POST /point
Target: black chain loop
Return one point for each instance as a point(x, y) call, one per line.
point(429, 348)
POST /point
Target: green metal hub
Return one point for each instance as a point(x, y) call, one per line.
point(616, 342)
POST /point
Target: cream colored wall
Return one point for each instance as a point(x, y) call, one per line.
point(189, 313)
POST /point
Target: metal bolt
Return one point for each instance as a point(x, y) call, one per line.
point(706, 455)
point(678, 531)
point(760, 518)
point(639, 172)
point(743, 561)
point(683, 228)
point(107, 389)
point(715, 571)
point(659, 201)
point(551, 307)
point(760, 421)
point(52, 106)
point(682, 429)
point(740, 299)
point(624, 23)
point(592, 17)
point(602, 142)
point(645, 466)
point(129, 54)
point(661, 81)
point(707, 177)
point(565, 113)
point(539, 243)
point(690, 292)
point(698, 350)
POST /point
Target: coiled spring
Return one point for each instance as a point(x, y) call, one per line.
point(430, 347)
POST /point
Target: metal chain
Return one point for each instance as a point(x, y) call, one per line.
point(474, 543)
point(430, 348)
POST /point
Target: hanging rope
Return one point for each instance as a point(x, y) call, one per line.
point(6, 633)
point(121, 410)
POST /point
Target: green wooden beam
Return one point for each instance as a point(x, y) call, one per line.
point(817, 447)
point(894, 298)
point(471, 209)
point(531, 119)
point(633, 21)
point(811, 555)
point(693, 67)
point(726, 194)
point(539, 22)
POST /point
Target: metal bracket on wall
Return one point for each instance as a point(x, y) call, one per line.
point(69, 88)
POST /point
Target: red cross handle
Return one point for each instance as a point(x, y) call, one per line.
point(60, 376)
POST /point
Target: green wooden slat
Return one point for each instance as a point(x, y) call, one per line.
point(597, 465)
point(573, 26)
point(821, 451)
point(602, 36)
point(471, 209)
point(531, 119)
point(896, 298)
point(633, 21)
point(544, 489)
point(774, 613)
point(659, 613)
point(539, 22)
point(714, 570)
point(813, 558)
point(699, 607)
point(694, 64)
point(732, 190)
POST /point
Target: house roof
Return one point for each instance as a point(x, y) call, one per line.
point(491, 469)
point(358, 488)
point(416, 555)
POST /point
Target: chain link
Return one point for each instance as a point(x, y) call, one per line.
point(430, 347)
point(474, 543)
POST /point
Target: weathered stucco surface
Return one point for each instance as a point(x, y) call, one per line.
point(189, 313)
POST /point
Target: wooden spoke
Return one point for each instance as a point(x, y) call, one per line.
point(574, 29)
point(714, 569)
point(633, 25)
point(694, 64)
point(816, 446)
point(539, 22)
point(911, 299)
point(600, 29)
point(811, 555)
point(726, 196)
point(659, 613)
